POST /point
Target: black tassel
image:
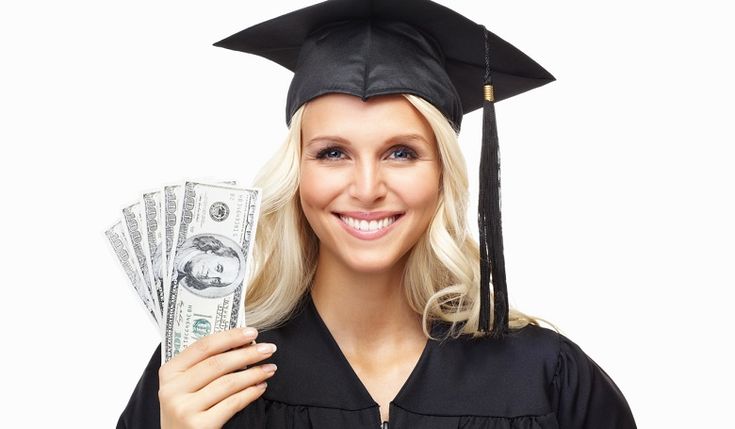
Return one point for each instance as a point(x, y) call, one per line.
point(492, 261)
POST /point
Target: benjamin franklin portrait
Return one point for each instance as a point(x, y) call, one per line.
point(210, 265)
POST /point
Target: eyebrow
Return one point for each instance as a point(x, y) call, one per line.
point(338, 139)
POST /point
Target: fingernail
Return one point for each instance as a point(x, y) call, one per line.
point(261, 385)
point(250, 332)
point(266, 347)
point(269, 368)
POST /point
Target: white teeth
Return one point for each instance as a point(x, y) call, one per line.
point(364, 225)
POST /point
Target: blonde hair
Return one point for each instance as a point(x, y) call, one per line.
point(442, 275)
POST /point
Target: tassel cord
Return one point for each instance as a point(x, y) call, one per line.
point(492, 260)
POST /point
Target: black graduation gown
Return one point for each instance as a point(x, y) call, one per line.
point(534, 378)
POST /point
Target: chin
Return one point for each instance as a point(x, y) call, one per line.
point(373, 263)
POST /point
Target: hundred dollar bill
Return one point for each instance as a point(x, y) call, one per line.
point(123, 251)
point(209, 263)
point(151, 203)
point(172, 195)
point(133, 222)
point(171, 201)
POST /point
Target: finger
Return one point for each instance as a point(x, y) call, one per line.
point(228, 407)
point(209, 346)
point(229, 384)
point(216, 366)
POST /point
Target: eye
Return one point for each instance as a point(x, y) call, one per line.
point(403, 153)
point(330, 153)
point(220, 268)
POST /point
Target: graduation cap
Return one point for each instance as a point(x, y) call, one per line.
point(368, 48)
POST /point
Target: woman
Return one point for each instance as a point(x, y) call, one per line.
point(366, 280)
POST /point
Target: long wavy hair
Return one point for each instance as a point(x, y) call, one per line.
point(441, 280)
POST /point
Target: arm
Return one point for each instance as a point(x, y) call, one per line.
point(587, 398)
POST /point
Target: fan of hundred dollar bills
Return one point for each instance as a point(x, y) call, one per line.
point(185, 249)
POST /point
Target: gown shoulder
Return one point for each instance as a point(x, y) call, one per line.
point(586, 396)
point(142, 410)
point(535, 377)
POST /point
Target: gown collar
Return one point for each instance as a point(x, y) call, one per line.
point(313, 371)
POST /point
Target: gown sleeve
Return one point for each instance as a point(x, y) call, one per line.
point(587, 397)
point(143, 409)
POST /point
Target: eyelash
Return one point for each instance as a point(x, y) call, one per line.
point(322, 154)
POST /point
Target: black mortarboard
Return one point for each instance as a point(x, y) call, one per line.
point(376, 47)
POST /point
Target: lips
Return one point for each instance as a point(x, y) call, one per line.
point(369, 215)
point(368, 226)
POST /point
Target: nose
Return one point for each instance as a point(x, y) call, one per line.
point(368, 184)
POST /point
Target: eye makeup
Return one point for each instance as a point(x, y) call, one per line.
point(335, 152)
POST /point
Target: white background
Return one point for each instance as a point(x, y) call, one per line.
point(618, 179)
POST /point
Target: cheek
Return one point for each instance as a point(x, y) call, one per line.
point(318, 187)
point(195, 262)
point(230, 273)
point(420, 188)
point(211, 263)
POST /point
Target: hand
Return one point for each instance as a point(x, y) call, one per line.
point(198, 388)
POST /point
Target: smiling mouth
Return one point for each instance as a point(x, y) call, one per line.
point(363, 225)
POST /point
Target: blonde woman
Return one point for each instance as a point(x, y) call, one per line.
point(369, 297)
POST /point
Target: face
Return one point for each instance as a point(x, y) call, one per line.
point(370, 176)
point(212, 269)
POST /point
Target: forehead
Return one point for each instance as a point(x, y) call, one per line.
point(349, 116)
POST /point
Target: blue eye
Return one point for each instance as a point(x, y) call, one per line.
point(329, 153)
point(404, 153)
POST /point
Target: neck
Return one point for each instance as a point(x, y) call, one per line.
point(363, 310)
